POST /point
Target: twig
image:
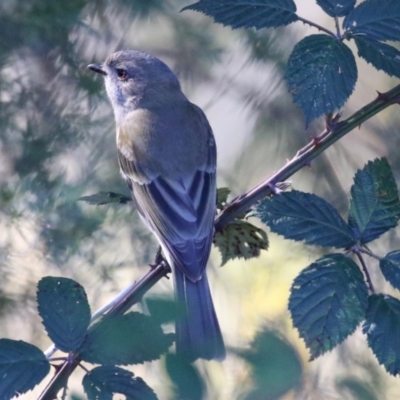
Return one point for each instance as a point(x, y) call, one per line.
point(365, 269)
point(238, 206)
point(370, 253)
point(339, 34)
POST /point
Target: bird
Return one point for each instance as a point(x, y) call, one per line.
point(167, 155)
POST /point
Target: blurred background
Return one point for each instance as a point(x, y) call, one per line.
point(57, 144)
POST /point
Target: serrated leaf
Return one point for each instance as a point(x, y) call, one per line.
point(240, 239)
point(222, 197)
point(275, 366)
point(375, 205)
point(188, 383)
point(22, 367)
point(390, 267)
point(132, 338)
point(64, 308)
point(382, 56)
point(382, 327)
point(305, 216)
point(327, 302)
point(102, 198)
point(321, 74)
point(251, 13)
point(101, 383)
point(337, 8)
point(378, 19)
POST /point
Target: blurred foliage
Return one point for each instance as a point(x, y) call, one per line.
point(57, 145)
point(275, 366)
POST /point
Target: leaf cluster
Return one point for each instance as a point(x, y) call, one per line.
point(128, 339)
point(321, 72)
point(333, 295)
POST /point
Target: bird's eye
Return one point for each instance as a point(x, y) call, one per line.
point(121, 73)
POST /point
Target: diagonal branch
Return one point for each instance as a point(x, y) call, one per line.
point(238, 206)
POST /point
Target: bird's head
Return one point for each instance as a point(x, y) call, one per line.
point(134, 79)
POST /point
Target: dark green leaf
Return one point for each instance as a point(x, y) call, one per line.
point(380, 55)
point(337, 8)
point(101, 383)
point(222, 196)
point(321, 74)
point(382, 327)
point(327, 302)
point(390, 267)
point(275, 365)
point(164, 309)
point(22, 367)
point(375, 205)
point(240, 239)
point(247, 14)
point(378, 19)
point(132, 338)
point(188, 384)
point(106, 198)
point(63, 306)
point(304, 216)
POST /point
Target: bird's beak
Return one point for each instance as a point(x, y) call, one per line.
point(97, 68)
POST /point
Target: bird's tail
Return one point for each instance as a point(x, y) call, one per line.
point(197, 331)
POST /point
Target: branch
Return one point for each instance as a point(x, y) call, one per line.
point(305, 155)
point(238, 206)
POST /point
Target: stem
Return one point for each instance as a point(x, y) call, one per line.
point(339, 34)
point(366, 272)
point(238, 206)
point(370, 253)
point(319, 27)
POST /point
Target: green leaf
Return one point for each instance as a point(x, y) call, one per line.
point(375, 205)
point(187, 381)
point(390, 267)
point(63, 306)
point(337, 8)
point(304, 216)
point(22, 367)
point(382, 56)
point(164, 309)
point(240, 239)
point(132, 338)
point(382, 327)
point(275, 366)
point(106, 198)
point(321, 74)
point(101, 383)
point(327, 302)
point(247, 14)
point(222, 197)
point(377, 19)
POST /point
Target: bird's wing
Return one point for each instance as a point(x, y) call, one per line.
point(179, 211)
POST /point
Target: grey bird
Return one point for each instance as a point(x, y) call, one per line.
point(167, 154)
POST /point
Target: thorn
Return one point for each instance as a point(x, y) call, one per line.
point(384, 97)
